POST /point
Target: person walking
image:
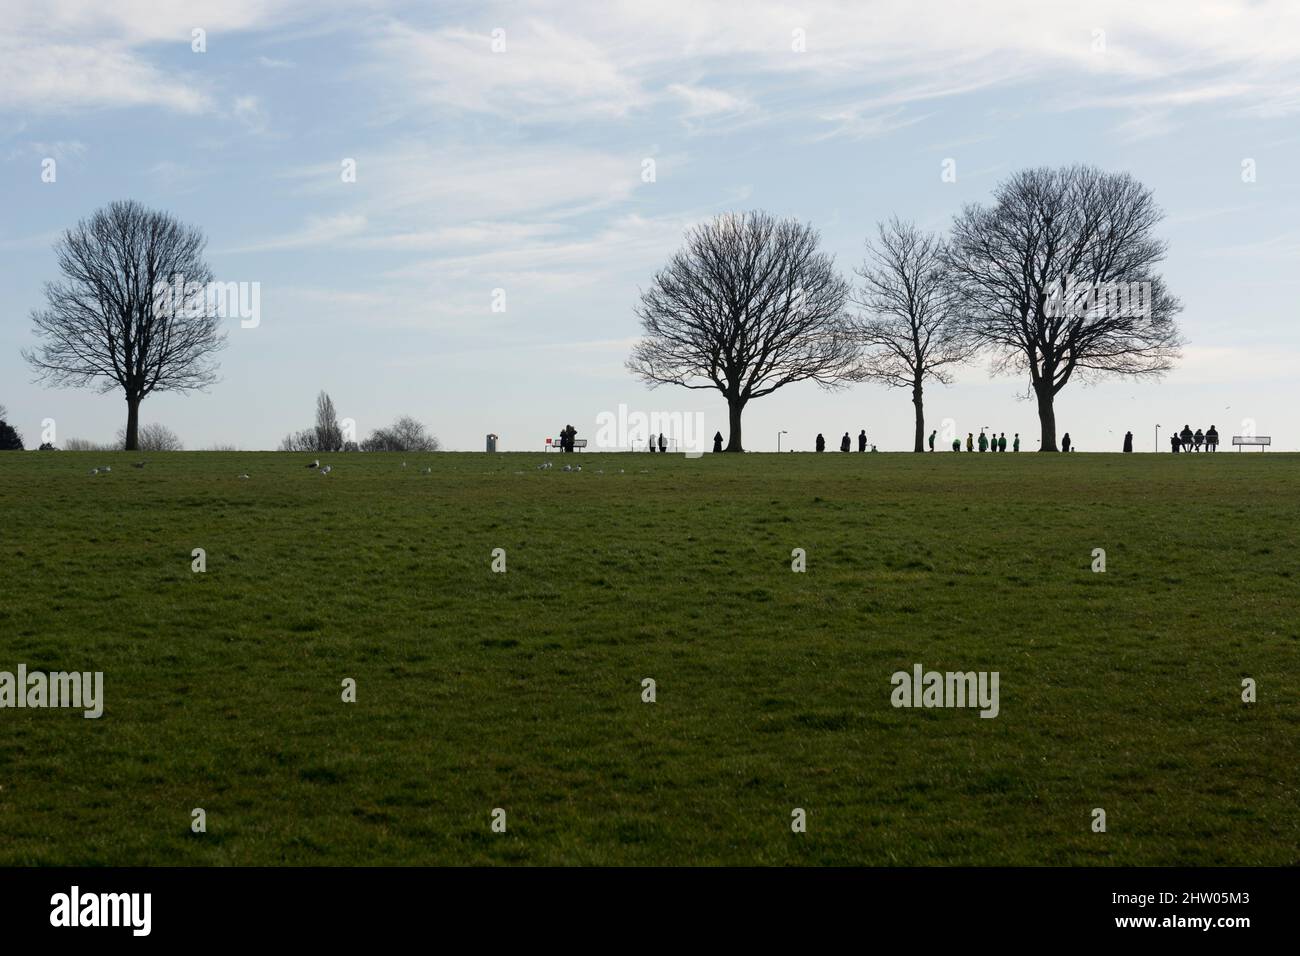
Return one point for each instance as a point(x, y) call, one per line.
point(932, 434)
point(862, 440)
point(821, 442)
point(717, 442)
point(970, 441)
point(1015, 446)
point(1128, 443)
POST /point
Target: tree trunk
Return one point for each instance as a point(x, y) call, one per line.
point(1047, 418)
point(132, 424)
point(734, 408)
point(919, 443)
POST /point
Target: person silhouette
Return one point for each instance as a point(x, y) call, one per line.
point(1198, 440)
point(1065, 442)
point(821, 442)
point(970, 441)
point(717, 442)
point(845, 444)
point(1212, 439)
point(1185, 437)
point(1128, 442)
point(932, 434)
point(663, 444)
point(862, 440)
point(984, 442)
point(1015, 446)
point(956, 444)
point(1002, 442)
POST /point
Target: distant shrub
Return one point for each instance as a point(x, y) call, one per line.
point(153, 437)
point(10, 440)
point(47, 447)
point(405, 434)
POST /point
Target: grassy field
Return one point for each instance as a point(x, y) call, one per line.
point(522, 690)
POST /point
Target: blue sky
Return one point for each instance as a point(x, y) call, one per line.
point(521, 170)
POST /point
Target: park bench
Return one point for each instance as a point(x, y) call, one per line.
point(578, 444)
point(1263, 441)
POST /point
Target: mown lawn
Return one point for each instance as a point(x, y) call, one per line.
point(522, 690)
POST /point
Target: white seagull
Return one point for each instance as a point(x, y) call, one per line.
point(325, 470)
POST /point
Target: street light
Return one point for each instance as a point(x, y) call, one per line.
point(1157, 439)
point(778, 440)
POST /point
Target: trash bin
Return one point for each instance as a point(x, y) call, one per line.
point(492, 442)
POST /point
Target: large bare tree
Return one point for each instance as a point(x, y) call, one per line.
point(908, 329)
point(131, 310)
point(1058, 278)
point(748, 305)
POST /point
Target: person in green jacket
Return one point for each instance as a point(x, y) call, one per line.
point(932, 434)
point(984, 442)
point(1015, 446)
point(956, 444)
point(1002, 442)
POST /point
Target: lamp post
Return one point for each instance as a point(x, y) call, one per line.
point(1157, 439)
point(778, 440)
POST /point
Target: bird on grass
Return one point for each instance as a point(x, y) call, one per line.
point(94, 472)
point(326, 470)
point(315, 463)
point(244, 475)
point(106, 469)
point(138, 464)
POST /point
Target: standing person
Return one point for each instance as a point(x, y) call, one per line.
point(1128, 443)
point(821, 442)
point(845, 444)
point(663, 444)
point(862, 440)
point(651, 443)
point(1065, 442)
point(1212, 439)
point(1002, 442)
point(1015, 446)
point(932, 434)
point(717, 442)
point(984, 442)
point(1175, 443)
point(970, 441)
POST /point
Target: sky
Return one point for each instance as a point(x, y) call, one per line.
point(523, 169)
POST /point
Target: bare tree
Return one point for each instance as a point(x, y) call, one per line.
point(405, 434)
point(131, 310)
point(1058, 279)
point(748, 305)
point(329, 436)
point(908, 331)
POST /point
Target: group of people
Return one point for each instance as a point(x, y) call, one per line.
point(1188, 440)
point(846, 443)
point(567, 434)
point(993, 442)
point(662, 443)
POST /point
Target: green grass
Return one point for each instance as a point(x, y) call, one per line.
point(523, 690)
